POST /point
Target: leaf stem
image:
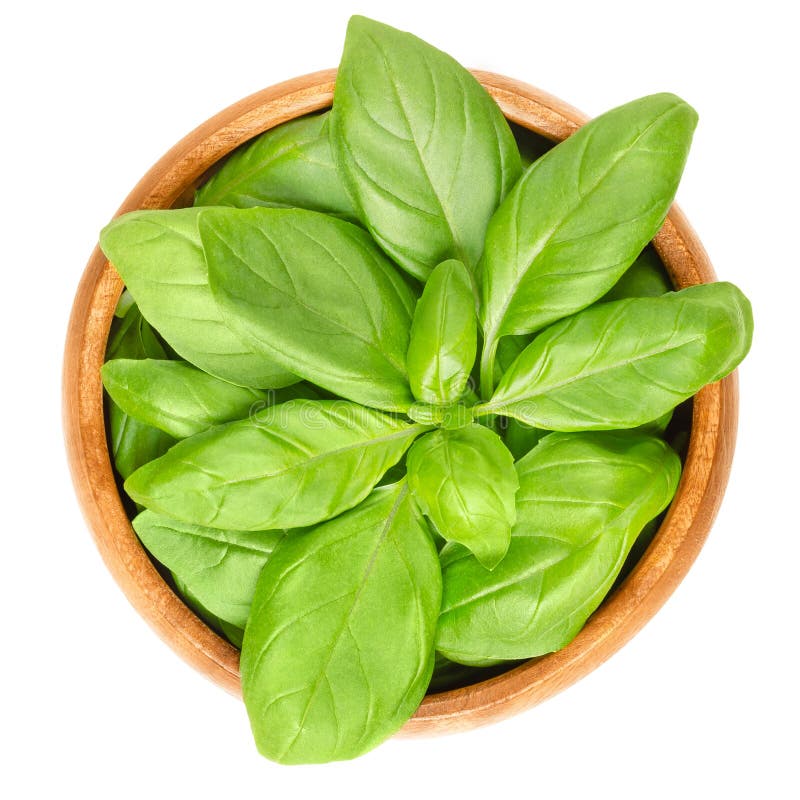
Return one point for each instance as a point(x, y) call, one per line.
point(487, 367)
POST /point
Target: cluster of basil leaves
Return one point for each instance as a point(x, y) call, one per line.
point(333, 474)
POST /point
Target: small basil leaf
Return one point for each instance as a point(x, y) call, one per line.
point(316, 294)
point(174, 396)
point(338, 651)
point(646, 277)
point(622, 364)
point(132, 442)
point(424, 150)
point(580, 215)
point(520, 438)
point(444, 336)
point(465, 481)
point(314, 460)
point(219, 568)
point(508, 348)
point(582, 501)
point(232, 633)
point(160, 257)
point(290, 166)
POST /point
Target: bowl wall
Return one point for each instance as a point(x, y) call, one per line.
point(171, 183)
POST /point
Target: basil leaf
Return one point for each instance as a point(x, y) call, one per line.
point(290, 166)
point(133, 443)
point(232, 633)
point(579, 216)
point(310, 461)
point(315, 294)
point(582, 501)
point(622, 364)
point(508, 348)
point(218, 568)
point(424, 150)
point(338, 651)
point(520, 438)
point(160, 257)
point(444, 336)
point(465, 481)
point(174, 396)
point(646, 277)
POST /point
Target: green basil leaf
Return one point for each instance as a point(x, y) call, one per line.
point(316, 294)
point(310, 461)
point(444, 336)
point(424, 150)
point(508, 348)
point(622, 364)
point(465, 481)
point(646, 277)
point(232, 633)
point(290, 166)
point(132, 442)
point(174, 396)
point(160, 257)
point(520, 438)
point(582, 501)
point(338, 651)
point(580, 215)
point(218, 568)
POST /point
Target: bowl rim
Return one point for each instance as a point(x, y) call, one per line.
point(170, 182)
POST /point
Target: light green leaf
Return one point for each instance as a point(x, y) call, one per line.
point(174, 396)
point(218, 568)
point(582, 501)
point(622, 364)
point(160, 257)
point(579, 216)
point(232, 633)
point(307, 462)
point(444, 334)
point(423, 149)
point(465, 481)
point(290, 166)
point(315, 294)
point(338, 651)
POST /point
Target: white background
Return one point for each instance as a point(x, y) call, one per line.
point(703, 703)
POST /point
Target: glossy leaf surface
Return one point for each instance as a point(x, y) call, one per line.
point(622, 364)
point(465, 481)
point(582, 501)
point(315, 294)
point(444, 333)
point(423, 149)
point(310, 461)
point(338, 652)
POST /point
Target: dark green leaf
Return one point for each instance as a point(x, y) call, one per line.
point(290, 166)
point(579, 216)
point(444, 334)
point(160, 257)
point(646, 277)
point(583, 499)
point(520, 438)
point(308, 462)
point(316, 294)
point(465, 481)
point(622, 364)
point(174, 396)
point(423, 149)
point(338, 651)
point(218, 568)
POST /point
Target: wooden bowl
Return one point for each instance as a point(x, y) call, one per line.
point(171, 183)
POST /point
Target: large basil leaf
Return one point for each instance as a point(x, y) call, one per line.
point(424, 150)
point(465, 481)
point(646, 277)
point(338, 651)
point(582, 501)
point(218, 568)
point(580, 215)
point(621, 364)
point(316, 294)
point(174, 396)
point(444, 334)
point(310, 461)
point(132, 442)
point(160, 257)
point(290, 166)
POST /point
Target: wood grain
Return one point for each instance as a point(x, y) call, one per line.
point(171, 183)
